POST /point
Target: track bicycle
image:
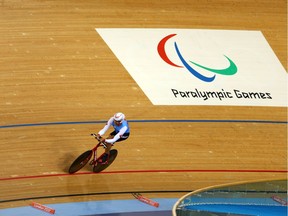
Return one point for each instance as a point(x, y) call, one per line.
point(85, 157)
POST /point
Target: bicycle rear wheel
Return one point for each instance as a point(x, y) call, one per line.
point(81, 161)
point(100, 167)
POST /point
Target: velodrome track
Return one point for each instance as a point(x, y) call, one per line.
point(60, 82)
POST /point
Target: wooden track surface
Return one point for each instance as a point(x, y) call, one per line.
point(56, 68)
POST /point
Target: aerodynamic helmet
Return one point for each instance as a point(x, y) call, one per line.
point(119, 117)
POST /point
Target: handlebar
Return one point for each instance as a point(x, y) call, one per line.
point(96, 137)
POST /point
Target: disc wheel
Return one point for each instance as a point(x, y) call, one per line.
point(80, 162)
point(100, 167)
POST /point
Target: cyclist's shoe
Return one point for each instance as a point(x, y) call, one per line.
point(104, 159)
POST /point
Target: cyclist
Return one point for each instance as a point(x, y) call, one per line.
point(121, 132)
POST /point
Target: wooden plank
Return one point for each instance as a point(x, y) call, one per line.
point(56, 68)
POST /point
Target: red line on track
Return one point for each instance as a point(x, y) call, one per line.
point(140, 171)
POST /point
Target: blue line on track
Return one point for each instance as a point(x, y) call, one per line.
point(148, 121)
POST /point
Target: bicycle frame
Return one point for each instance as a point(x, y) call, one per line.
point(94, 161)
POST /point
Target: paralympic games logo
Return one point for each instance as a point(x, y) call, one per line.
point(230, 70)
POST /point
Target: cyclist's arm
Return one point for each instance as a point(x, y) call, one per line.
point(117, 136)
point(106, 127)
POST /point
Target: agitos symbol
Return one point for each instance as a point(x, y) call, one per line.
point(230, 70)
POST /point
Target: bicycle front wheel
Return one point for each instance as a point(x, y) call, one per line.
point(80, 162)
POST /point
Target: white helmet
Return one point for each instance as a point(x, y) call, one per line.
point(119, 117)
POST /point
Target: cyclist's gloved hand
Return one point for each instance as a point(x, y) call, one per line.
point(98, 137)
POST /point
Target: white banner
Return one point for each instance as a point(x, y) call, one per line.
point(200, 67)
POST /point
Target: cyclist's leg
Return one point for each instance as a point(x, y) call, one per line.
point(108, 148)
point(109, 145)
point(111, 136)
